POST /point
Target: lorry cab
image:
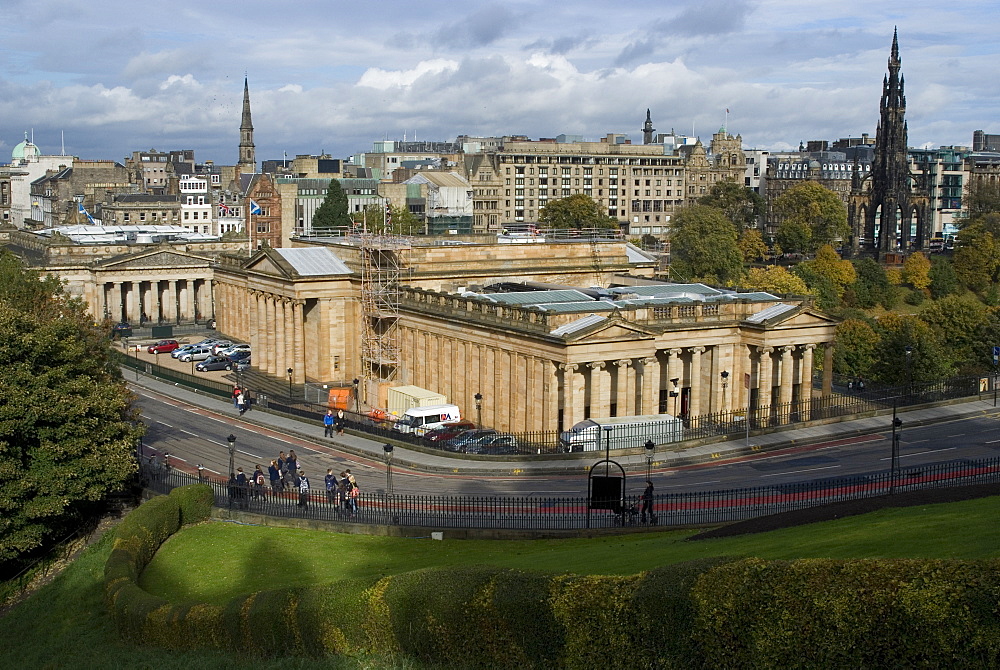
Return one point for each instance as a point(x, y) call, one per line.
point(419, 420)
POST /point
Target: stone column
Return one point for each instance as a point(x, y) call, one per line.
point(489, 385)
point(190, 299)
point(172, 301)
point(623, 389)
point(600, 389)
point(100, 300)
point(270, 325)
point(675, 370)
point(299, 342)
point(805, 381)
point(128, 288)
point(785, 390)
point(116, 302)
point(828, 369)
point(281, 337)
point(550, 395)
point(650, 385)
point(765, 382)
point(572, 400)
point(696, 385)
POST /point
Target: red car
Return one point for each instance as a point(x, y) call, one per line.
point(163, 347)
point(448, 431)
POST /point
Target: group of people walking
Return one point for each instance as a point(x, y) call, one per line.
point(333, 423)
point(241, 399)
point(285, 474)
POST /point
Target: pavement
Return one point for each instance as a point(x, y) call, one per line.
point(435, 461)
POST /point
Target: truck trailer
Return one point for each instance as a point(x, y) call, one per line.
point(622, 432)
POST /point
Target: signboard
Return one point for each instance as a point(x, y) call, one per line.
point(606, 492)
point(996, 355)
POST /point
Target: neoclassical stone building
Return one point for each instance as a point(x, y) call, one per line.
point(543, 357)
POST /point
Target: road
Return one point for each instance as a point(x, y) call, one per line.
point(195, 436)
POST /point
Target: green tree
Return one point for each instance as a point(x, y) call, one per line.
point(854, 348)
point(741, 205)
point(960, 323)
point(703, 245)
point(401, 221)
point(794, 237)
point(405, 222)
point(872, 287)
point(575, 212)
point(977, 258)
point(752, 245)
point(981, 197)
point(774, 279)
point(943, 280)
point(926, 361)
point(829, 264)
point(67, 430)
point(333, 213)
point(814, 206)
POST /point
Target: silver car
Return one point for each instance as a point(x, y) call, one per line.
point(196, 354)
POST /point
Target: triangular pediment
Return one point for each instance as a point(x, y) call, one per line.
point(160, 258)
point(611, 329)
point(267, 261)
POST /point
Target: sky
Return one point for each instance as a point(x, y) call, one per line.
point(105, 79)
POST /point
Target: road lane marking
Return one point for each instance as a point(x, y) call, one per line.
point(795, 472)
point(673, 486)
point(920, 453)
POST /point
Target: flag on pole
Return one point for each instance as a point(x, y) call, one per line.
point(225, 210)
point(255, 208)
point(83, 210)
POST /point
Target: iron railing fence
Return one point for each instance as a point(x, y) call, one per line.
point(700, 508)
point(718, 424)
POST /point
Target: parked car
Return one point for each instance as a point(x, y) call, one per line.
point(214, 363)
point(181, 350)
point(122, 329)
point(242, 365)
point(497, 444)
point(468, 437)
point(163, 347)
point(231, 349)
point(448, 431)
point(238, 356)
point(196, 354)
point(219, 346)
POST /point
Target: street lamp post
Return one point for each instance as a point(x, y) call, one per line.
point(479, 409)
point(357, 398)
point(897, 432)
point(387, 448)
point(607, 449)
point(232, 454)
point(674, 393)
point(725, 384)
point(290, 384)
point(909, 373)
point(650, 448)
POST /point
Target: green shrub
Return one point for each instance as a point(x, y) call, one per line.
point(850, 614)
point(195, 501)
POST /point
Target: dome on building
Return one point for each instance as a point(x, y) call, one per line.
point(25, 150)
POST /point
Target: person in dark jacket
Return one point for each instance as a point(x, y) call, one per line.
point(303, 490)
point(647, 504)
point(274, 473)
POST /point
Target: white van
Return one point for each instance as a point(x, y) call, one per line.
point(419, 420)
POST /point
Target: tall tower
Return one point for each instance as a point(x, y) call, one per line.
point(891, 198)
point(248, 160)
point(648, 130)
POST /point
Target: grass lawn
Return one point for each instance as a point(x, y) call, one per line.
point(215, 561)
point(64, 625)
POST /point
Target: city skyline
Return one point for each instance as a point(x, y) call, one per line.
point(332, 77)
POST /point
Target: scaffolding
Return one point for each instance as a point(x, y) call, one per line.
point(382, 256)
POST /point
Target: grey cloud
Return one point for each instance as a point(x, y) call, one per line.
point(715, 17)
point(481, 28)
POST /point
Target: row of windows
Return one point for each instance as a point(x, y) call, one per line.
point(635, 172)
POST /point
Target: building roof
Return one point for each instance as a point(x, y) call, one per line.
point(314, 261)
point(438, 178)
point(538, 297)
point(770, 312)
point(579, 324)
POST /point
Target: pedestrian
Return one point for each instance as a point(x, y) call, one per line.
point(303, 490)
point(236, 394)
point(352, 495)
point(234, 489)
point(241, 486)
point(291, 467)
point(350, 477)
point(282, 463)
point(328, 421)
point(341, 422)
point(274, 473)
point(258, 483)
point(647, 504)
point(241, 403)
point(331, 486)
point(342, 492)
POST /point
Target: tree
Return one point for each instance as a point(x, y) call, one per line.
point(916, 271)
point(741, 205)
point(828, 263)
point(981, 197)
point(854, 348)
point(752, 246)
point(872, 287)
point(794, 237)
point(67, 429)
point(943, 280)
point(977, 259)
point(960, 323)
point(333, 213)
point(575, 212)
point(926, 361)
point(703, 246)
point(814, 206)
point(405, 222)
point(774, 279)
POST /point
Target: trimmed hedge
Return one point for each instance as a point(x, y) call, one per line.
point(707, 613)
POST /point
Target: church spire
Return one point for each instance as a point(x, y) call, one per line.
point(648, 129)
point(248, 160)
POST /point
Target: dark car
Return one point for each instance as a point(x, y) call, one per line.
point(493, 445)
point(123, 329)
point(238, 356)
point(163, 347)
point(214, 363)
point(448, 431)
point(468, 437)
